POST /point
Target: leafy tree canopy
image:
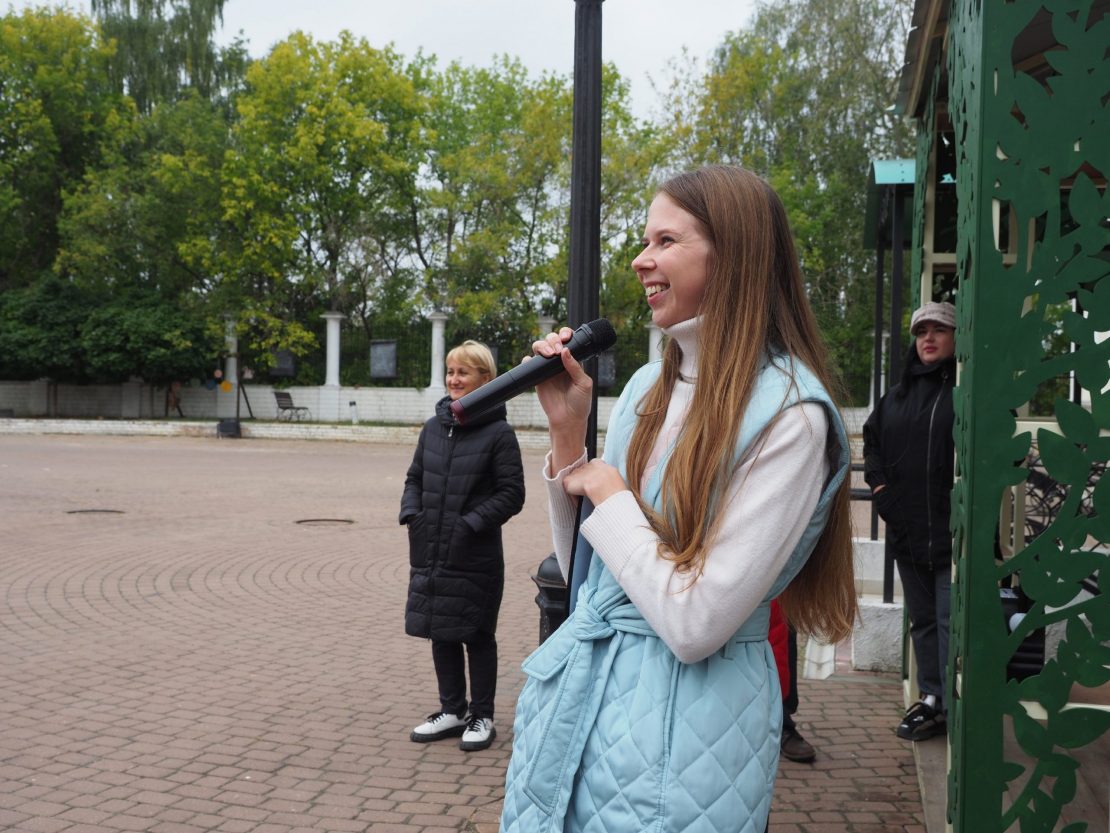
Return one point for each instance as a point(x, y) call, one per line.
point(165, 47)
point(39, 330)
point(802, 97)
point(144, 169)
point(55, 101)
point(137, 335)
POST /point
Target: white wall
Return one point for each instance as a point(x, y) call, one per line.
point(133, 400)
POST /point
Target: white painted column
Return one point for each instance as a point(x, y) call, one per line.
point(655, 342)
point(231, 364)
point(439, 353)
point(332, 377)
point(328, 409)
point(225, 401)
point(546, 324)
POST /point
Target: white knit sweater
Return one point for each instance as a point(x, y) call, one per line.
point(769, 503)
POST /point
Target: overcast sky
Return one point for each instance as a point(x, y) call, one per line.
point(639, 36)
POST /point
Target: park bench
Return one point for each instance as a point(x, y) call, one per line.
point(287, 410)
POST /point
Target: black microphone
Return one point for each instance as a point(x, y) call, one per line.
point(587, 341)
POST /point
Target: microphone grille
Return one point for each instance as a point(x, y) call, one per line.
point(604, 336)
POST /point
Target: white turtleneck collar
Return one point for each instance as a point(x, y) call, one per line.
point(685, 333)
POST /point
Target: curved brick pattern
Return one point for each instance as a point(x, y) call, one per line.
point(202, 662)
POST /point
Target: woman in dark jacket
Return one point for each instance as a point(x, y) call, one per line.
point(908, 452)
point(463, 484)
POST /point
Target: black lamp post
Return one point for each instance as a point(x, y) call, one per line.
point(584, 280)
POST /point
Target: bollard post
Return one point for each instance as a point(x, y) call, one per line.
point(552, 596)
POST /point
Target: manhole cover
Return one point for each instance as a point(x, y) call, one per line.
point(94, 512)
point(324, 521)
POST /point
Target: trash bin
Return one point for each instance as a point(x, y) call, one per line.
point(552, 598)
point(228, 428)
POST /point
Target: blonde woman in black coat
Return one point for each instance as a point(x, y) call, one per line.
point(463, 484)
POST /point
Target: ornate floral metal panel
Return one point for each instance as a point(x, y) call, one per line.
point(1033, 256)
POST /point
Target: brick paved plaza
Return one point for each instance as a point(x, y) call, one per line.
point(197, 660)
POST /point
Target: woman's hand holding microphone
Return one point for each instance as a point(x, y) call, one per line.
point(566, 399)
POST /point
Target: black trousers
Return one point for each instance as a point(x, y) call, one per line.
point(790, 697)
point(926, 591)
point(450, 668)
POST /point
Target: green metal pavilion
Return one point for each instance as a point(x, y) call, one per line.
point(1011, 221)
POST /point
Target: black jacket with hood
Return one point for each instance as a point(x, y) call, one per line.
point(463, 484)
point(909, 447)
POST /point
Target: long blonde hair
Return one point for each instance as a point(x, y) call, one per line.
point(754, 302)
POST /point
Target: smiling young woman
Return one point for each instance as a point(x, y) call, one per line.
point(723, 485)
point(673, 264)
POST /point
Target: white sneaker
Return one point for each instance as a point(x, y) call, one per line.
point(438, 726)
point(479, 734)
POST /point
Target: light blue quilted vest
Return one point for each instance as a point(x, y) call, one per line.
point(612, 732)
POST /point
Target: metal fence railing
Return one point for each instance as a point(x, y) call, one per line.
point(398, 354)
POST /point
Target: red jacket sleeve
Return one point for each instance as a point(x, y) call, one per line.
point(778, 635)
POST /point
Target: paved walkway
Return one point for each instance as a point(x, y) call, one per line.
point(179, 654)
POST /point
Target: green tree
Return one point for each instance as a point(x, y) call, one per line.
point(487, 216)
point(491, 217)
point(144, 335)
point(165, 47)
point(55, 100)
point(59, 330)
point(325, 144)
point(131, 221)
point(635, 156)
point(802, 96)
point(98, 201)
point(40, 326)
point(125, 236)
point(809, 82)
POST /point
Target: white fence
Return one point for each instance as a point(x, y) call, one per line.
point(135, 400)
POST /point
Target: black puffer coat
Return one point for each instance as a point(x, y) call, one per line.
point(908, 445)
point(463, 484)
